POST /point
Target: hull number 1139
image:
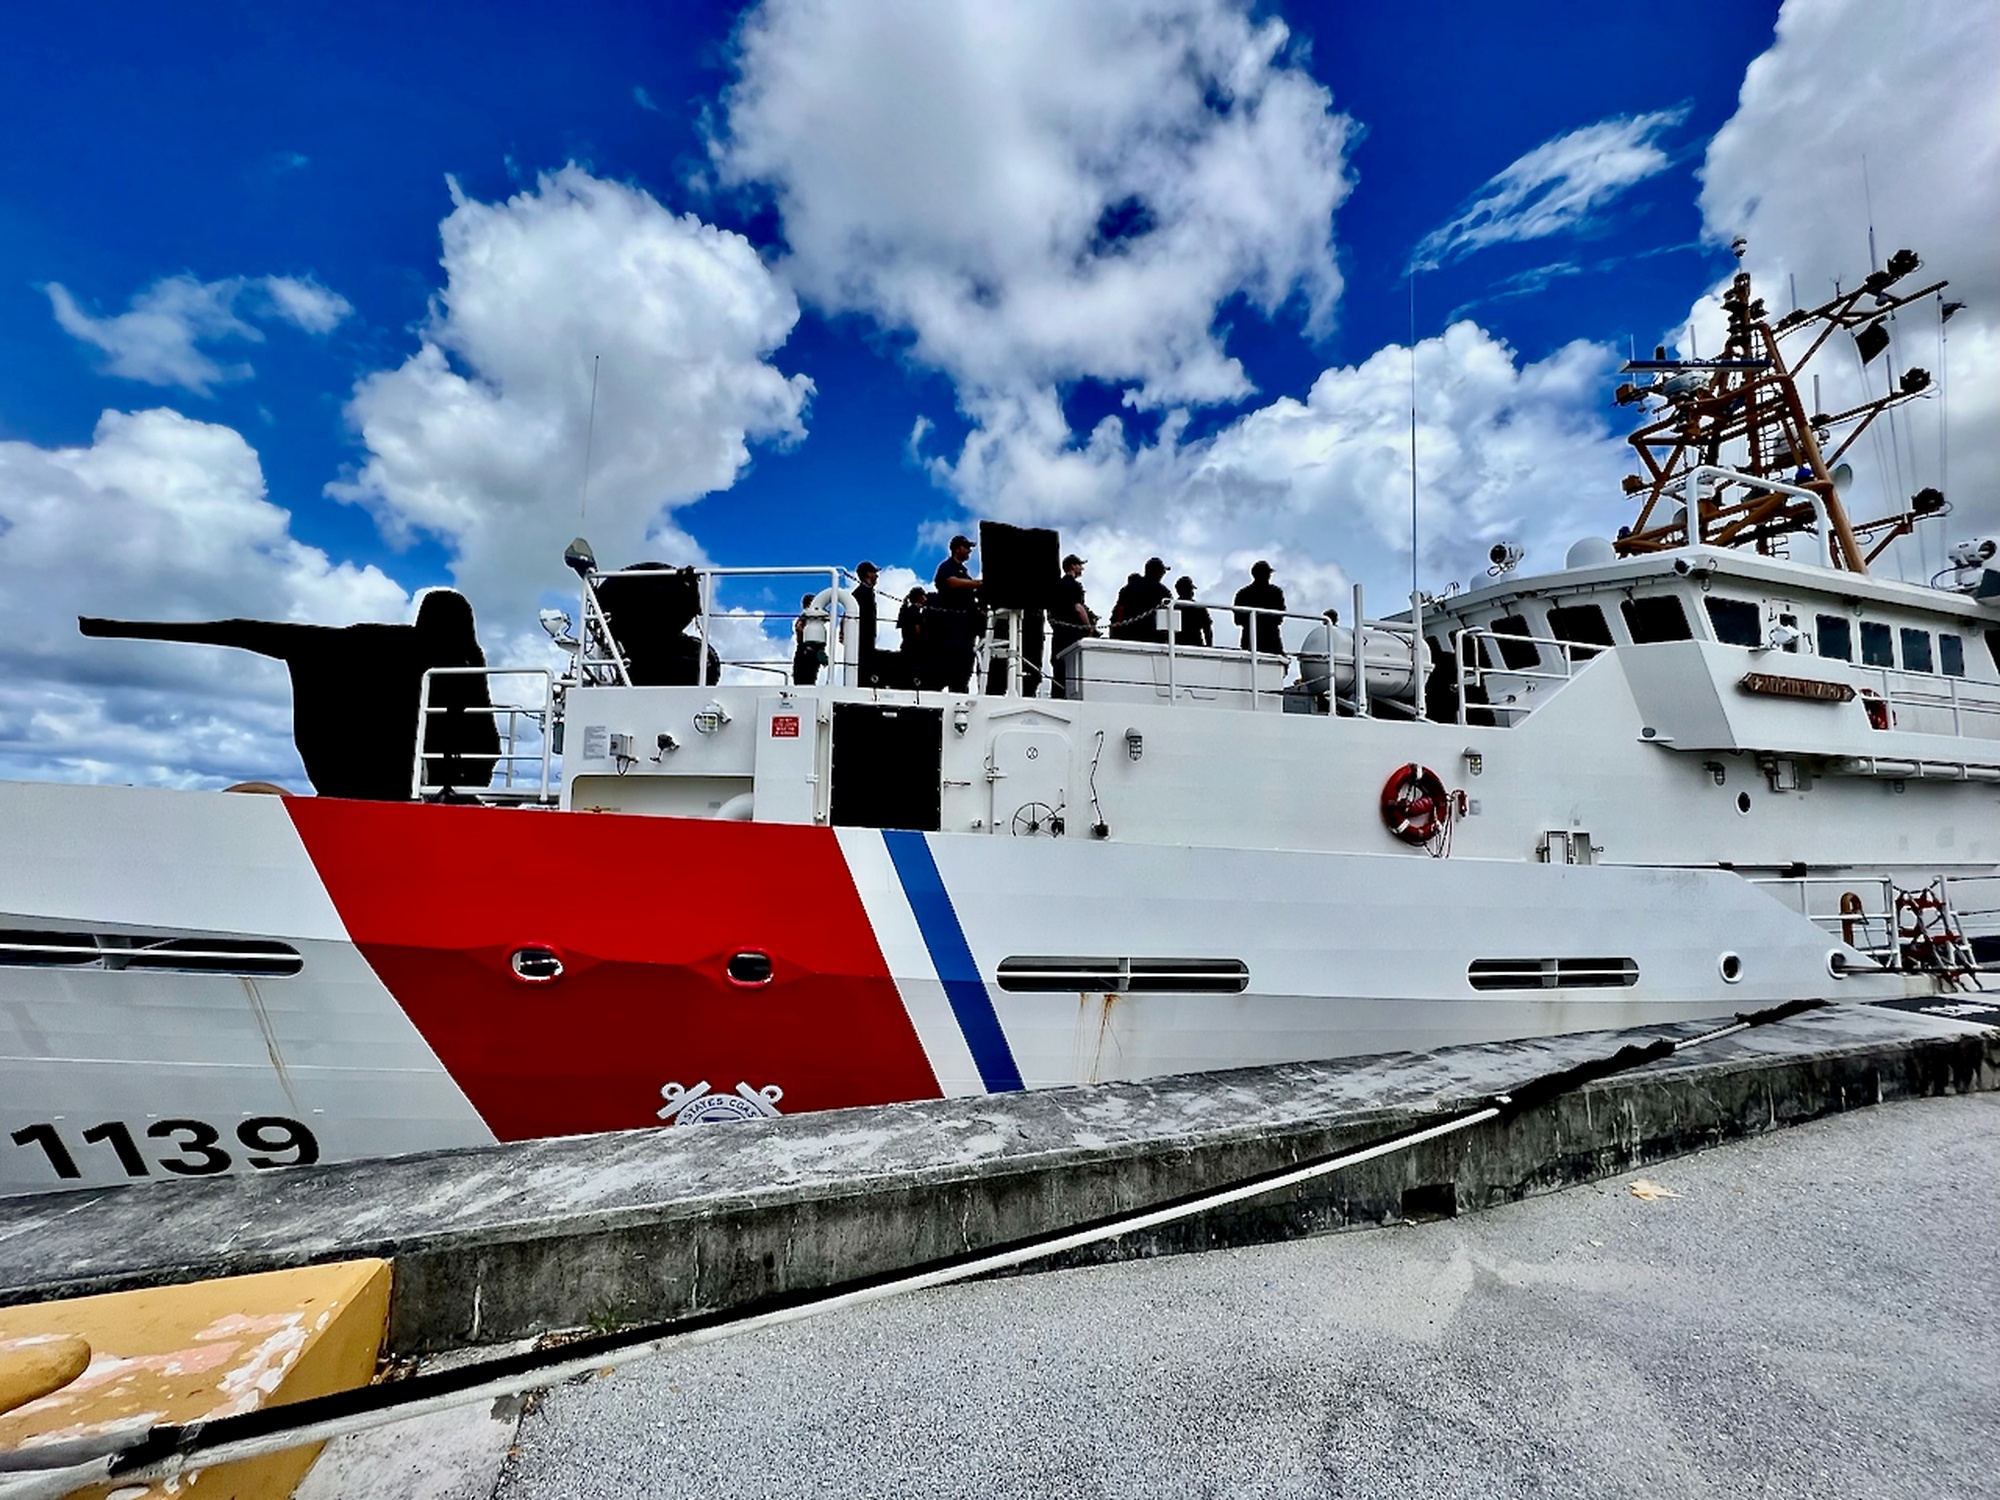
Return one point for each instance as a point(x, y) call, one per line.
point(186, 1148)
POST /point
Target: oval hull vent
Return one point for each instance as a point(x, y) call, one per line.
point(1553, 973)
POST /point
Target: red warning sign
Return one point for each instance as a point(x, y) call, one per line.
point(784, 726)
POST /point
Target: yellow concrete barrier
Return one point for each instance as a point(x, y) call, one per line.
point(210, 1349)
point(42, 1362)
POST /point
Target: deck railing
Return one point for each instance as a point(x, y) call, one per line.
point(1861, 910)
point(1478, 646)
point(512, 781)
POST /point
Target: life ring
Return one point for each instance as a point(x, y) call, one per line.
point(1877, 708)
point(1414, 803)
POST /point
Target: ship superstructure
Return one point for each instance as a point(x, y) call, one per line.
point(1709, 764)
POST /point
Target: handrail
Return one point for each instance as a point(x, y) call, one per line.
point(507, 756)
point(1472, 674)
point(608, 660)
point(1691, 498)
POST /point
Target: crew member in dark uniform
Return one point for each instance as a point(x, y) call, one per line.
point(1195, 627)
point(1261, 593)
point(869, 669)
point(1123, 623)
point(955, 617)
point(916, 671)
point(355, 690)
point(807, 656)
point(1070, 620)
point(1139, 603)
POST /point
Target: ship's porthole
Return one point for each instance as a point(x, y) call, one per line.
point(536, 965)
point(1743, 802)
point(1731, 965)
point(750, 968)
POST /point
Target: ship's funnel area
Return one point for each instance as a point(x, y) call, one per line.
point(355, 690)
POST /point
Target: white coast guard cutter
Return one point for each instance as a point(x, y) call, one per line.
point(1685, 775)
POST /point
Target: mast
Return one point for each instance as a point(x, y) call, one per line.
point(1742, 411)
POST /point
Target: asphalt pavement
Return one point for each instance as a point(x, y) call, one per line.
point(1809, 1313)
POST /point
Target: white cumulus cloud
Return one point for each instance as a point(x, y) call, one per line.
point(159, 517)
point(1556, 187)
point(1321, 486)
point(1045, 191)
point(157, 338)
point(480, 437)
point(303, 302)
point(1910, 89)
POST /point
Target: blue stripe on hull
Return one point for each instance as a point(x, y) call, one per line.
point(930, 903)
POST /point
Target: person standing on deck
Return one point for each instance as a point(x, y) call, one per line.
point(1070, 620)
point(955, 617)
point(1195, 628)
point(1261, 593)
point(916, 672)
point(807, 656)
point(867, 668)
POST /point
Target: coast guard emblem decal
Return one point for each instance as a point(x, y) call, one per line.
point(697, 1106)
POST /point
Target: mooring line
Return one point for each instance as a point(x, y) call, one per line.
point(151, 1454)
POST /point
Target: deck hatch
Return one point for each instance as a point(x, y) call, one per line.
point(1181, 976)
point(154, 952)
point(1552, 973)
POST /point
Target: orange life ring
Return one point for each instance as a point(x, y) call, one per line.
point(1414, 803)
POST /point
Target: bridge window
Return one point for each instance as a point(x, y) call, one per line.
point(1518, 654)
point(1582, 625)
point(1951, 655)
point(1836, 637)
point(1737, 622)
point(1878, 646)
point(1656, 617)
point(1916, 650)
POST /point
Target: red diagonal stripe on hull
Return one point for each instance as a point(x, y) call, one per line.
point(645, 914)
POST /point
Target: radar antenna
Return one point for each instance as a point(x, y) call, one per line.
point(1742, 411)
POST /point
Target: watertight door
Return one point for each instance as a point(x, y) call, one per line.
point(1027, 770)
point(787, 760)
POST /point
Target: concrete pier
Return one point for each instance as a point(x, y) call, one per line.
point(503, 1242)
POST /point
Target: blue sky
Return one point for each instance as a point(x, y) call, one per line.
point(236, 211)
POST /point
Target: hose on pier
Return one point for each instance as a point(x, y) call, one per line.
point(152, 1454)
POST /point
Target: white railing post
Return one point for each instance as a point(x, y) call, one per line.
point(1360, 657)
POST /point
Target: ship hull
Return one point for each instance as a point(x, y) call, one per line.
point(417, 977)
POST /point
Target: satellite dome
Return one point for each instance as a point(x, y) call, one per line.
point(1590, 552)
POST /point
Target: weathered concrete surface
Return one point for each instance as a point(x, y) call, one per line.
point(1810, 1316)
point(496, 1243)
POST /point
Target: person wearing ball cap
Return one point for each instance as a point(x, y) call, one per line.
point(1070, 620)
point(956, 601)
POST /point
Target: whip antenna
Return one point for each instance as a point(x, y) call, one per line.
point(1413, 444)
point(589, 439)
